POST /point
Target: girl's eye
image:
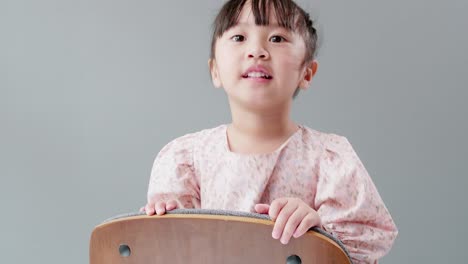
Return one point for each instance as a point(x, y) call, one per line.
point(238, 38)
point(277, 39)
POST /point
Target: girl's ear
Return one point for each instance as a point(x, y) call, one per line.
point(214, 73)
point(310, 70)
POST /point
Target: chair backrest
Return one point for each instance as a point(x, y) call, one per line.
point(205, 237)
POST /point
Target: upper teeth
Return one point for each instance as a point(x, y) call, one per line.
point(257, 74)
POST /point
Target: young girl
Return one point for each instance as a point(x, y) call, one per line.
point(262, 54)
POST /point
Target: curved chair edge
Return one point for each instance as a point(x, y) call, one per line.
point(229, 213)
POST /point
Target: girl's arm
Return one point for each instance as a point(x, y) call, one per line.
point(173, 182)
point(350, 206)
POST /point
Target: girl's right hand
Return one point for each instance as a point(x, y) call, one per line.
point(159, 208)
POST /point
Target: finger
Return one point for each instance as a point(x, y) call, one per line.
point(292, 224)
point(276, 207)
point(149, 208)
point(142, 209)
point(310, 220)
point(171, 205)
point(262, 208)
point(282, 219)
point(160, 208)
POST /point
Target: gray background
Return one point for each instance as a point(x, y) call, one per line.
point(91, 90)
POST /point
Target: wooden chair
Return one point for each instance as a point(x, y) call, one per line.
point(206, 237)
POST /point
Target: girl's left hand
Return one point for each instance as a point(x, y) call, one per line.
point(292, 217)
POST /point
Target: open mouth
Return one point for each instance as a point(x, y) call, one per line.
point(257, 75)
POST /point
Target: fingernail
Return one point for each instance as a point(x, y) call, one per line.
point(275, 235)
point(284, 241)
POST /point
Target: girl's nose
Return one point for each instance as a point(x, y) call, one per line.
point(258, 53)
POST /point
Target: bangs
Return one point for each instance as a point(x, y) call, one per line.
point(285, 12)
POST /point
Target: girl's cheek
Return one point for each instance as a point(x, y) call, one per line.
point(292, 64)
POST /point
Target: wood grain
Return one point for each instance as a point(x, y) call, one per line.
point(205, 239)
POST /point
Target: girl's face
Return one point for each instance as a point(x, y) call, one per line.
point(260, 67)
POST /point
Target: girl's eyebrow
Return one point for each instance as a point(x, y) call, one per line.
point(271, 25)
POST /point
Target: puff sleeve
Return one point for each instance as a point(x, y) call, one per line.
point(349, 204)
point(172, 175)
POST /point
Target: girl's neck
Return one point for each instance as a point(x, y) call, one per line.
point(257, 133)
point(263, 130)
